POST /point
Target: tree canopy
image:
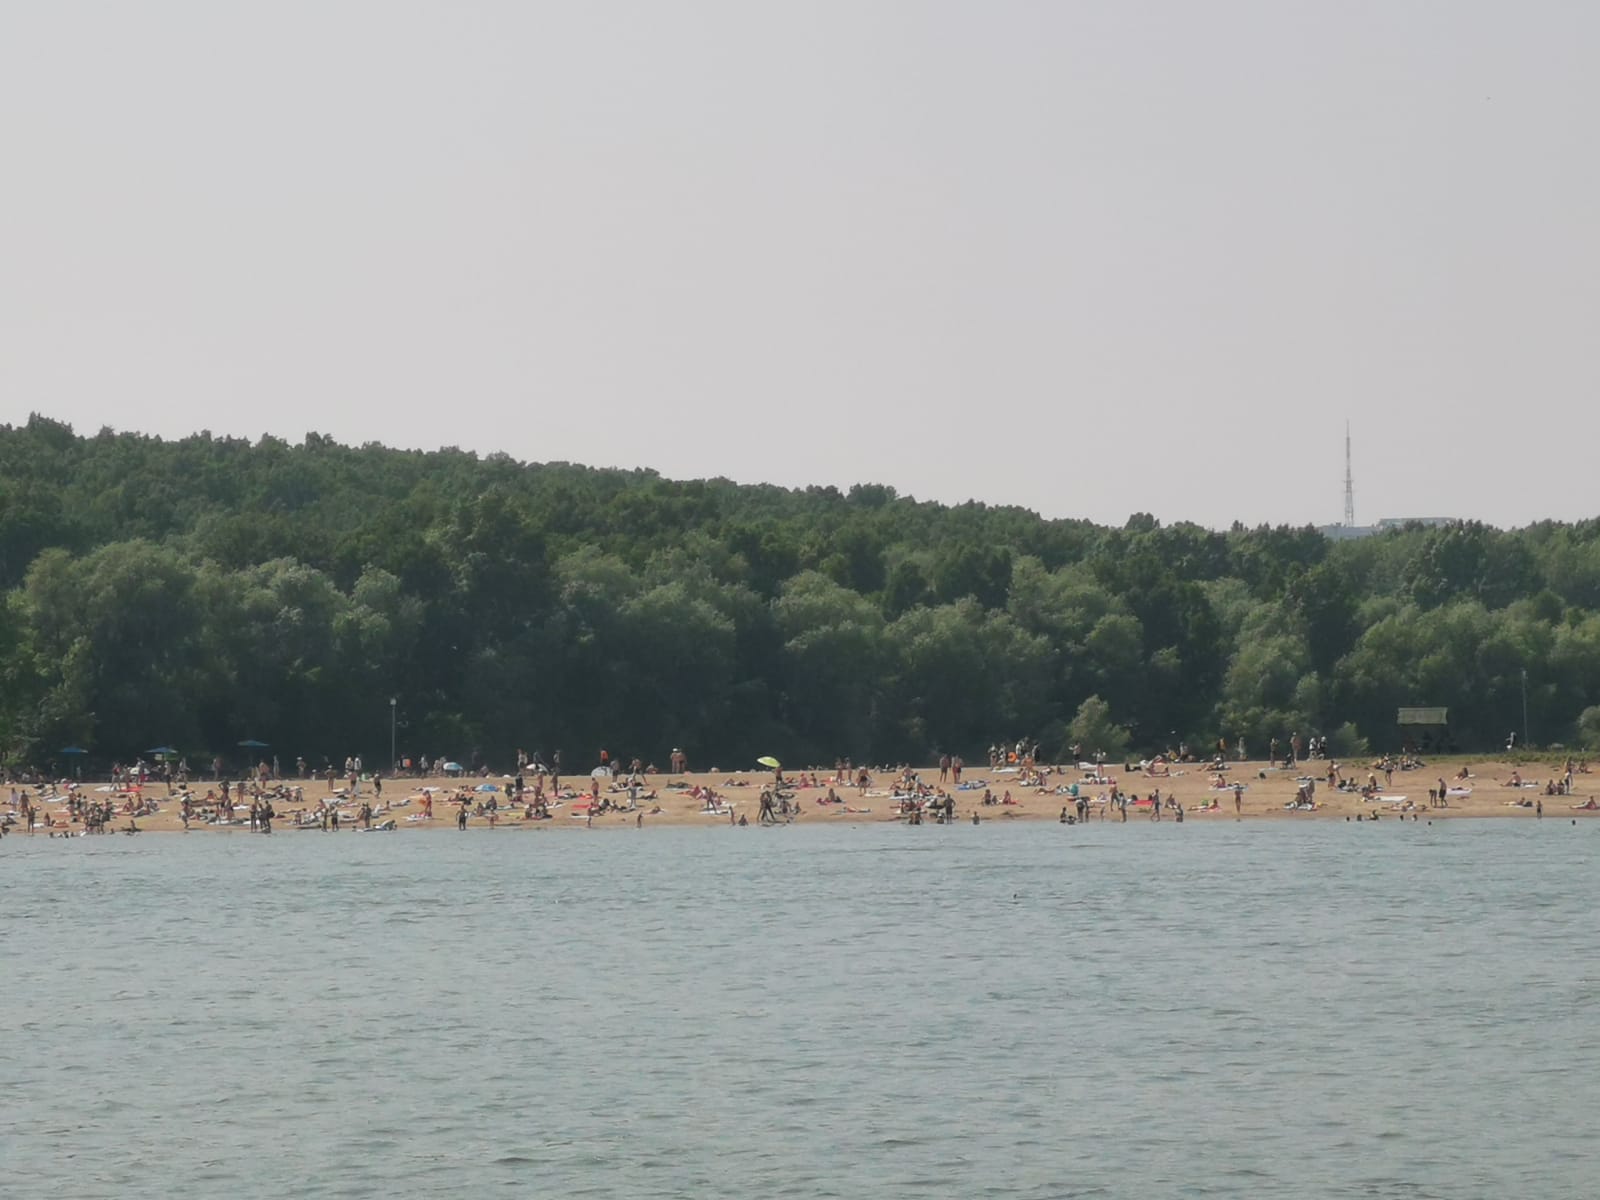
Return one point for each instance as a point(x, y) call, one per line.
point(207, 590)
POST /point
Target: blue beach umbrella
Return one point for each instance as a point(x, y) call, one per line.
point(252, 744)
point(74, 750)
point(162, 750)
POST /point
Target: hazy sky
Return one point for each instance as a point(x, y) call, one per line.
point(1091, 258)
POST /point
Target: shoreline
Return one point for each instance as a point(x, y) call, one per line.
point(1266, 791)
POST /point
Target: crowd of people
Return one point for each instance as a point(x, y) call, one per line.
point(260, 798)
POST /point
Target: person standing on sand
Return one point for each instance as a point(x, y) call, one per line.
point(944, 768)
point(1238, 798)
point(461, 815)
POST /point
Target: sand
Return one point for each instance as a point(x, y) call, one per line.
point(1267, 791)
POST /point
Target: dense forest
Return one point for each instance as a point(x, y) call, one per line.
point(201, 592)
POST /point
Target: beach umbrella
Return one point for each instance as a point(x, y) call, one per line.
point(74, 750)
point(252, 744)
point(162, 750)
point(769, 761)
point(600, 773)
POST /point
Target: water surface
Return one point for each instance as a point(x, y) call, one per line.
point(1294, 1010)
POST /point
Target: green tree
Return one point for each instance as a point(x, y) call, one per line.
point(1093, 730)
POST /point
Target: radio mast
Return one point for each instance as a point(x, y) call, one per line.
point(1349, 482)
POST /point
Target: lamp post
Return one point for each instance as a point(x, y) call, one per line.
point(392, 717)
point(1524, 708)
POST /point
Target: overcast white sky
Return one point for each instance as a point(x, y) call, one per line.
point(1091, 258)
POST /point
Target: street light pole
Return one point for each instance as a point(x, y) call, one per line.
point(392, 703)
point(1524, 708)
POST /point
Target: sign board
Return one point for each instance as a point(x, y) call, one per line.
point(1422, 716)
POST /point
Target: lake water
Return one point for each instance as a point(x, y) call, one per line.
point(1306, 1010)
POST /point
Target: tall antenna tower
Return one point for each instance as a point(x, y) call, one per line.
point(1349, 482)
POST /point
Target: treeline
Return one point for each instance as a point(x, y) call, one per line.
point(200, 592)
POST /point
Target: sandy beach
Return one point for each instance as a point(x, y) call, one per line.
point(1489, 789)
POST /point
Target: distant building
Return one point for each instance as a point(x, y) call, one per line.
point(1389, 523)
point(1345, 533)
